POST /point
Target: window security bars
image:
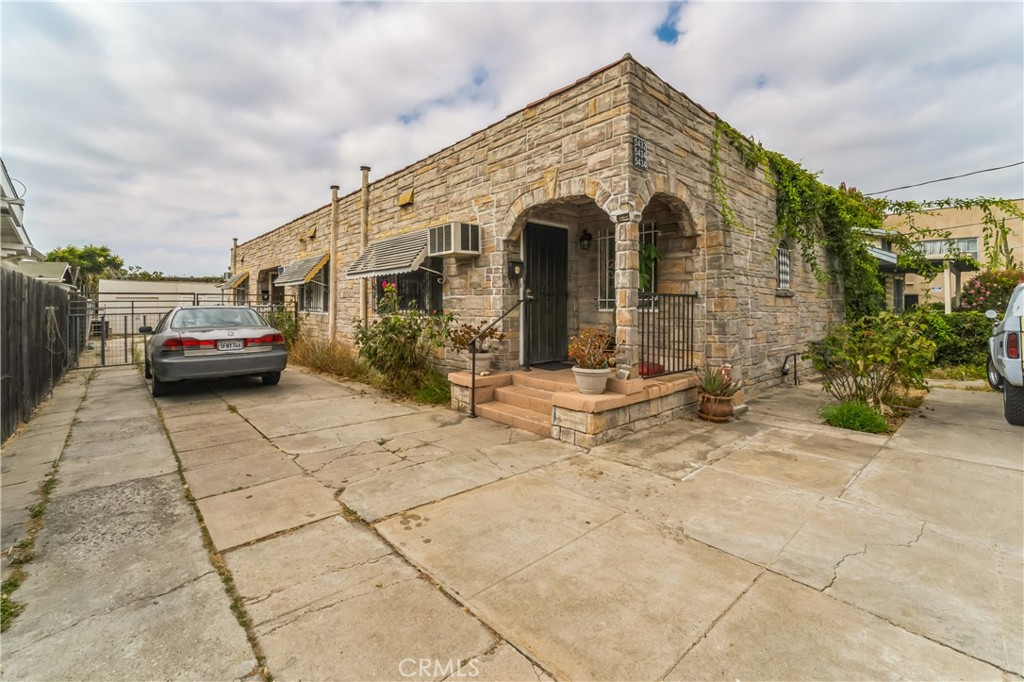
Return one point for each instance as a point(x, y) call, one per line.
point(782, 267)
point(606, 265)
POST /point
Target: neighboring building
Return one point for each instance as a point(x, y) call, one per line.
point(558, 201)
point(966, 231)
point(127, 304)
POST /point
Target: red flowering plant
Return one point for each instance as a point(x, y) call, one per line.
point(990, 290)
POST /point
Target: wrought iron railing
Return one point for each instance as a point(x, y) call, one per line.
point(666, 333)
point(473, 351)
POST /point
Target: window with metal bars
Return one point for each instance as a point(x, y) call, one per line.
point(606, 265)
point(314, 295)
point(782, 267)
point(421, 290)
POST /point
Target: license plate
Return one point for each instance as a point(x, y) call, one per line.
point(235, 344)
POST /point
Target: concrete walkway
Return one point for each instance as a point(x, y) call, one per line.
point(374, 540)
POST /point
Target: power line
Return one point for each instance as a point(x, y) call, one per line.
point(952, 177)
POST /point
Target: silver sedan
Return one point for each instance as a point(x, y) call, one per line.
point(212, 342)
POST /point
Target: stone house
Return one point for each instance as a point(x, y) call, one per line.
point(560, 204)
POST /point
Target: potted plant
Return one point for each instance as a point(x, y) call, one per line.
point(460, 337)
point(591, 350)
point(717, 387)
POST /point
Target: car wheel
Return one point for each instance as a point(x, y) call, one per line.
point(271, 378)
point(994, 379)
point(148, 372)
point(1013, 404)
point(159, 388)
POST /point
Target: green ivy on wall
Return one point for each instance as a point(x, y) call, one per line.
point(813, 215)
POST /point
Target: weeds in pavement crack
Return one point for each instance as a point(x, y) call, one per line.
point(237, 604)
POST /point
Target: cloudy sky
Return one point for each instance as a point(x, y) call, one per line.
point(164, 130)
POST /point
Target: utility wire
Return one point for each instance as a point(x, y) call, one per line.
point(952, 177)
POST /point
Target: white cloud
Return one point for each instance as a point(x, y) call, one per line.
point(163, 130)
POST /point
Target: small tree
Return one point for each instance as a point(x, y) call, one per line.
point(92, 262)
point(867, 359)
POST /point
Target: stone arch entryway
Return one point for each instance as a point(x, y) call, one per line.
point(558, 242)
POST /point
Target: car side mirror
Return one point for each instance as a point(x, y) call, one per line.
point(991, 314)
point(145, 329)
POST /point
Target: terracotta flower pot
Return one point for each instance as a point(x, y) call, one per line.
point(715, 408)
point(591, 381)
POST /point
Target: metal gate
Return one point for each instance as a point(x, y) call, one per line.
point(108, 333)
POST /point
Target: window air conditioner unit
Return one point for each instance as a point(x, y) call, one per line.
point(454, 239)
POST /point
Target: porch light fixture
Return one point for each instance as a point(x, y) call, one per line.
point(585, 239)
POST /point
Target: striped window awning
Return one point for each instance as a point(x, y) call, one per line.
point(234, 282)
point(404, 253)
point(302, 270)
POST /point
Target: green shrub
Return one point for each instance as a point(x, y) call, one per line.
point(856, 416)
point(990, 290)
point(961, 338)
point(399, 344)
point(867, 359)
point(285, 321)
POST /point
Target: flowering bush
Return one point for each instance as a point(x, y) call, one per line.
point(592, 349)
point(399, 343)
point(990, 290)
point(717, 380)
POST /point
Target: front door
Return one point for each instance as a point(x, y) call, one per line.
point(547, 280)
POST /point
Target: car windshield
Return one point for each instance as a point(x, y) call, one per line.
point(194, 318)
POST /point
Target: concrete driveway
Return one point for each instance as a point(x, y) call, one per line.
point(375, 540)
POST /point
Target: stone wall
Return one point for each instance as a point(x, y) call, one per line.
point(746, 320)
point(567, 160)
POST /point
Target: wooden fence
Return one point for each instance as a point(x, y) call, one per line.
point(39, 342)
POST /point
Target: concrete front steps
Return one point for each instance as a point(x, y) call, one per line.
point(524, 404)
point(548, 404)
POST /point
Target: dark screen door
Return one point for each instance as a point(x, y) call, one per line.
point(547, 280)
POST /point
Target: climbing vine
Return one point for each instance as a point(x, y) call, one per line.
point(844, 221)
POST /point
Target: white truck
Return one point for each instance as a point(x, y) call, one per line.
point(1005, 363)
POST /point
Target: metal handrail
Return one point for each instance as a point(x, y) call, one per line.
point(472, 353)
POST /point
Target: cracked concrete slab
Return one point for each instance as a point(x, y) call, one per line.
point(220, 417)
point(239, 517)
point(616, 485)
point(394, 491)
point(225, 452)
point(143, 640)
point(909, 585)
point(325, 562)
point(98, 464)
point(678, 448)
point(813, 473)
point(237, 474)
point(92, 540)
point(780, 630)
point(743, 516)
point(323, 413)
point(370, 635)
point(834, 530)
point(969, 498)
point(504, 664)
point(473, 540)
point(213, 435)
point(1003, 446)
point(382, 429)
point(622, 602)
point(342, 471)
